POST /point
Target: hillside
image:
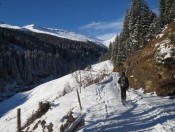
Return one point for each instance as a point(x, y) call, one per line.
point(28, 59)
point(101, 105)
point(153, 68)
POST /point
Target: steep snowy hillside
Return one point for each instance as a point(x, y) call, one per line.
point(101, 105)
point(107, 42)
point(54, 32)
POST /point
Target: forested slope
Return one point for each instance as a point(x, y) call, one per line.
point(28, 58)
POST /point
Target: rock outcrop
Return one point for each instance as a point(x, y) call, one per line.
point(153, 68)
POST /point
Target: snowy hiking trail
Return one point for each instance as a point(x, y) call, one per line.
point(143, 112)
point(101, 105)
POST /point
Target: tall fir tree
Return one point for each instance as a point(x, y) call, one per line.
point(162, 12)
point(135, 34)
point(167, 12)
point(110, 50)
point(115, 51)
point(154, 28)
point(172, 11)
point(126, 30)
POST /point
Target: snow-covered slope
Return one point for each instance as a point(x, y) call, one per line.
point(107, 42)
point(54, 32)
point(101, 105)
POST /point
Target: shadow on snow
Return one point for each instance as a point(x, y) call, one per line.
point(11, 103)
point(129, 120)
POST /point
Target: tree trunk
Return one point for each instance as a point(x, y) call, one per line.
point(79, 100)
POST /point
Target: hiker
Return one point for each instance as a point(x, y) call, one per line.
point(124, 85)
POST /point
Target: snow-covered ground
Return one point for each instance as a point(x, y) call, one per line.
point(54, 32)
point(165, 51)
point(101, 105)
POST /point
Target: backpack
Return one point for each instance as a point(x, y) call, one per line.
point(124, 82)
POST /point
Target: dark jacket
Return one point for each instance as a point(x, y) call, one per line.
point(123, 81)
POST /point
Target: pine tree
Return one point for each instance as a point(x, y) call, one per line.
point(126, 30)
point(167, 13)
point(154, 28)
point(162, 12)
point(125, 38)
point(115, 51)
point(168, 4)
point(138, 22)
point(110, 51)
point(140, 19)
point(121, 50)
point(172, 12)
point(146, 19)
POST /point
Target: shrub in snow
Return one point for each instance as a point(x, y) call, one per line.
point(89, 76)
point(67, 89)
point(70, 120)
point(43, 108)
point(49, 127)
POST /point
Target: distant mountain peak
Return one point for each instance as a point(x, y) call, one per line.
point(55, 32)
point(111, 40)
point(30, 26)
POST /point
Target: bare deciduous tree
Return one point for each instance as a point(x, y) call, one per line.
point(67, 89)
point(87, 77)
point(78, 77)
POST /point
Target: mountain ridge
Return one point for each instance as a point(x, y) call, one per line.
point(55, 32)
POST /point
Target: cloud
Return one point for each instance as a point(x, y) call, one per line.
point(106, 36)
point(115, 25)
point(103, 30)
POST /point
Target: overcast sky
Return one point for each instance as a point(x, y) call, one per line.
point(96, 18)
